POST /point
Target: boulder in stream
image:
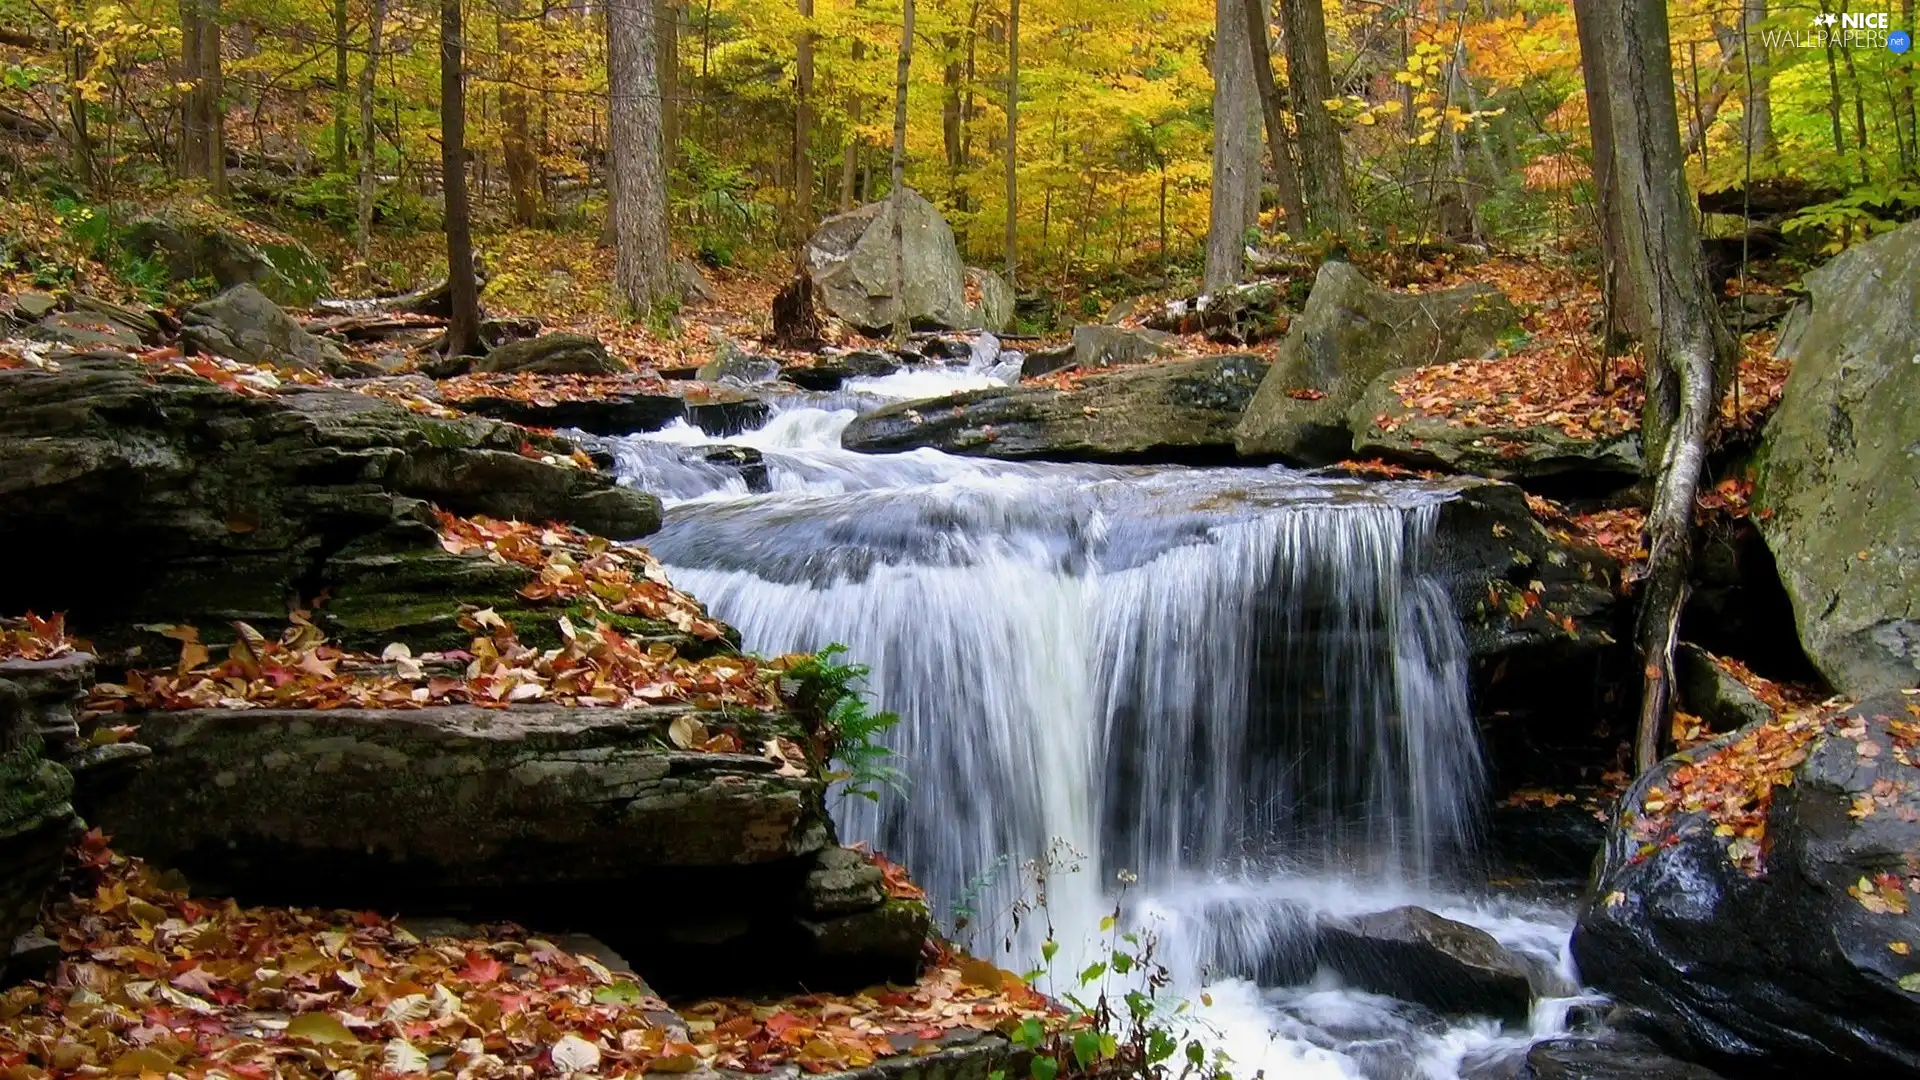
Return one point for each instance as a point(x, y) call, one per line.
point(1175, 411)
point(1415, 955)
point(1786, 947)
point(1835, 496)
point(850, 258)
point(1349, 333)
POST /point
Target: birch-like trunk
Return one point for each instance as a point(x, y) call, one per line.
point(639, 181)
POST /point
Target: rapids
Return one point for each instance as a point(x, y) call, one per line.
point(1214, 701)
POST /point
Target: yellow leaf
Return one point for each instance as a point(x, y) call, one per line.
point(320, 1027)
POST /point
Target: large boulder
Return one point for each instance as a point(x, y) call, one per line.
point(1115, 346)
point(1756, 897)
point(551, 354)
point(588, 818)
point(211, 506)
point(618, 412)
point(243, 324)
point(850, 258)
point(1835, 495)
point(995, 309)
point(192, 250)
point(1350, 333)
point(1175, 411)
point(1413, 954)
point(1385, 426)
point(95, 323)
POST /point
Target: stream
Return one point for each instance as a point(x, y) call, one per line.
point(1215, 703)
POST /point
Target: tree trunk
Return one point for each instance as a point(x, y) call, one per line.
point(896, 211)
point(850, 154)
point(803, 126)
point(666, 51)
point(1236, 157)
point(1757, 66)
point(363, 232)
point(1013, 141)
point(1913, 76)
point(1618, 293)
point(1687, 344)
point(340, 87)
point(1323, 178)
point(952, 126)
point(202, 143)
point(639, 183)
point(463, 327)
point(516, 141)
point(1285, 174)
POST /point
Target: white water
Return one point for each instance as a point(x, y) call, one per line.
point(1219, 701)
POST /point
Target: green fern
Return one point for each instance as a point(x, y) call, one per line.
point(832, 695)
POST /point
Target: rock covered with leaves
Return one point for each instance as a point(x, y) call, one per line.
point(222, 500)
point(1756, 896)
point(36, 819)
point(1350, 332)
point(1835, 497)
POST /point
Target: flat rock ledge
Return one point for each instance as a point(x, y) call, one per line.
point(574, 818)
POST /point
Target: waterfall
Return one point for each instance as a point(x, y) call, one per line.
point(1219, 699)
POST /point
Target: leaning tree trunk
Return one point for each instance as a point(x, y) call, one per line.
point(463, 327)
point(896, 208)
point(1687, 344)
point(1236, 152)
point(363, 218)
point(639, 181)
point(1285, 175)
point(1323, 172)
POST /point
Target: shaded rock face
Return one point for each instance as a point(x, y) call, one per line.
point(209, 506)
point(995, 310)
point(36, 819)
point(586, 819)
point(1415, 955)
point(1174, 411)
point(1788, 973)
point(1350, 332)
point(829, 372)
point(243, 324)
point(613, 414)
point(1613, 1056)
point(1114, 346)
point(850, 258)
point(95, 323)
point(551, 354)
point(1385, 427)
point(287, 273)
point(735, 365)
point(1838, 492)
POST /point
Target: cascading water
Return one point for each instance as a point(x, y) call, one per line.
point(1237, 686)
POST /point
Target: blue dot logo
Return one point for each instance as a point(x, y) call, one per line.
point(1899, 41)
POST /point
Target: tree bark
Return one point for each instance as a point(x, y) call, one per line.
point(1013, 142)
point(1757, 65)
point(1621, 321)
point(1687, 345)
point(1285, 174)
point(516, 141)
point(667, 59)
point(1236, 155)
point(363, 231)
point(203, 144)
point(463, 326)
point(1323, 178)
point(340, 87)
point(639, 182)
point(952, 126)
point(803, 126)
point(850, 153)
point(896, 209)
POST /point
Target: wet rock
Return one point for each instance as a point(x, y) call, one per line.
point(830, 372)
point(1349, 333)
point(213, 507)
point(1544, 843)
point(612, 414)
point(243, 324)
point(734, 365)
point(876, 945)
point(996, 307)
point(850, 258)
point(693, 285)
point(1413, 954)
point(842, 882)
point(551, 354)
point(1612, 1056)
point(751, 464)
point(1113, 346)
point(1047, 361)
point(1710, 692)
point(1178, 411)
point(31, 305)
point(724, 415)
point(1835, 495)
point(1383, 426)
point(1787, 973)
point(192, 250)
